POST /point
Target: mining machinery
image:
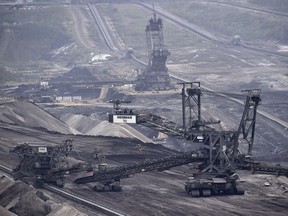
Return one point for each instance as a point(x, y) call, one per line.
point(220, 153)
point(223, 147)
point(155, 76)
point(110, 177)
point(120, 115)
point(214, 184)
point(217, 158)
point(43, 162)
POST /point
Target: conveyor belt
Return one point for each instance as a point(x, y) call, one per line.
point(115, 174)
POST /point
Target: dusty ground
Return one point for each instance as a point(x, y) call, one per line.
point(166, 188)
point(220, 68)
point(18, 198)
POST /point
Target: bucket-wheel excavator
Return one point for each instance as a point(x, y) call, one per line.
point(41, 162)
point(221, 152)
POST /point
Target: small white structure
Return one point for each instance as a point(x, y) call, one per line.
point(100, 57)
point(44, 84)
point(124, 119)
point(68, 98)
point(76, 98)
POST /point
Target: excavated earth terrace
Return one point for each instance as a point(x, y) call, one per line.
point(150, 193)
point(223, 72)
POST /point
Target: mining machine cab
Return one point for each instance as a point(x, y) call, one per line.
point(122, 115)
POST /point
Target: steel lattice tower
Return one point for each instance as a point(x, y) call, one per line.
point(156, 76)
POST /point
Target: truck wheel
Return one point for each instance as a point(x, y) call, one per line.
point(206, 192)
point(195, 193)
